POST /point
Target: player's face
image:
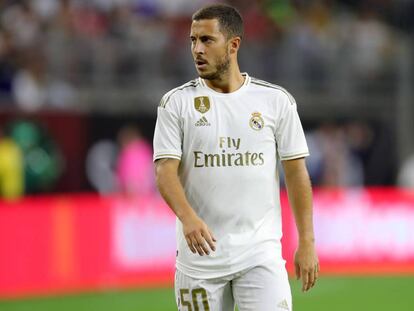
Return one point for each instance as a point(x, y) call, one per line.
point(210, 49)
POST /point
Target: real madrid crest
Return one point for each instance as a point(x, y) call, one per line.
point(202, 104)
point(256, 121)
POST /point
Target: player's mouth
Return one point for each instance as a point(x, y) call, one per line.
point(201, 63)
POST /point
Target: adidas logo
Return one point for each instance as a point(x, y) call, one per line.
point(202, 122)
point(283, 305)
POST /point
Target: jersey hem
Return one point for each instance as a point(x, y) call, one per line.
point(166, 156)
point(294, 156)
point(235, 270)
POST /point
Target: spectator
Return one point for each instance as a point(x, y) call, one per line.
point(7, 66)
point(406, 173)
point(134, 169)
point(43, 161)
point(371, 44)
point(29, 83)
point(100, 166)
point(33, 89)
point(11, 169)
point(334, 163)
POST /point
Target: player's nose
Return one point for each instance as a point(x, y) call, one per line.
point(198, 47)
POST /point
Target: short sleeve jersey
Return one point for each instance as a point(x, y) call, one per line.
point(229, 145)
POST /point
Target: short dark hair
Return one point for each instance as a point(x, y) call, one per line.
point(230, 20)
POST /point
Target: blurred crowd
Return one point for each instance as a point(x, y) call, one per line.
point(73, 54)
point(122, 55)
point(123, 165)
point(30, 160)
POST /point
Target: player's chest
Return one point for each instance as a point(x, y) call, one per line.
point(206, 120)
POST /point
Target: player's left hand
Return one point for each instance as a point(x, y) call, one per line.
point(306, 265)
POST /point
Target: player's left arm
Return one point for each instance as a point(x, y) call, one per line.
point(300, 198)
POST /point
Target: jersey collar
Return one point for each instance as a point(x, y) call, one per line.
point(245, 84)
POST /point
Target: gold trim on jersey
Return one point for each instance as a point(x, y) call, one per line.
point(295, 156)
point(244, 74)
point(228, 159)
point(161, 156)
point(273, 86)
point(166, 98)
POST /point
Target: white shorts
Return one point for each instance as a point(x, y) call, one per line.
point(264, 287)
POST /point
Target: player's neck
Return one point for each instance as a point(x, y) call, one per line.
point(227, 83)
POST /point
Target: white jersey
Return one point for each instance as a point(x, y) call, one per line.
point(229, 144)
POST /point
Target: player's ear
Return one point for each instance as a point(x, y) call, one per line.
point(234, 44)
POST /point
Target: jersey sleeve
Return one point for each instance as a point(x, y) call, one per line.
point(290, 138)
point(168, 132)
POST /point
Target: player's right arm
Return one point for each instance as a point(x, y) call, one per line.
point(168, 141)
point(196, 232)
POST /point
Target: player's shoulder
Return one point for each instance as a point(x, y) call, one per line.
point(179, 92)
point(272, 89)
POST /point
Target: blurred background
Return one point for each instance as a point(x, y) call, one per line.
point(80, 82)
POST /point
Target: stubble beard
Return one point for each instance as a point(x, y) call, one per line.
point(221, 68)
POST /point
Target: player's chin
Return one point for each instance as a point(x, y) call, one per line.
point(206, 75)
point(201, 72)
point(202, 75)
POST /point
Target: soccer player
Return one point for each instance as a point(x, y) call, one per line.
point(216, 145)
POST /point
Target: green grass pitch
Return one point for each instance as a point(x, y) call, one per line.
point(331, 293)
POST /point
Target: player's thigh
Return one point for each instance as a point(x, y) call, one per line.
point(203, 295)
point(264, 287)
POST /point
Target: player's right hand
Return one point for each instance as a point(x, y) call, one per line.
point(198, 236)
